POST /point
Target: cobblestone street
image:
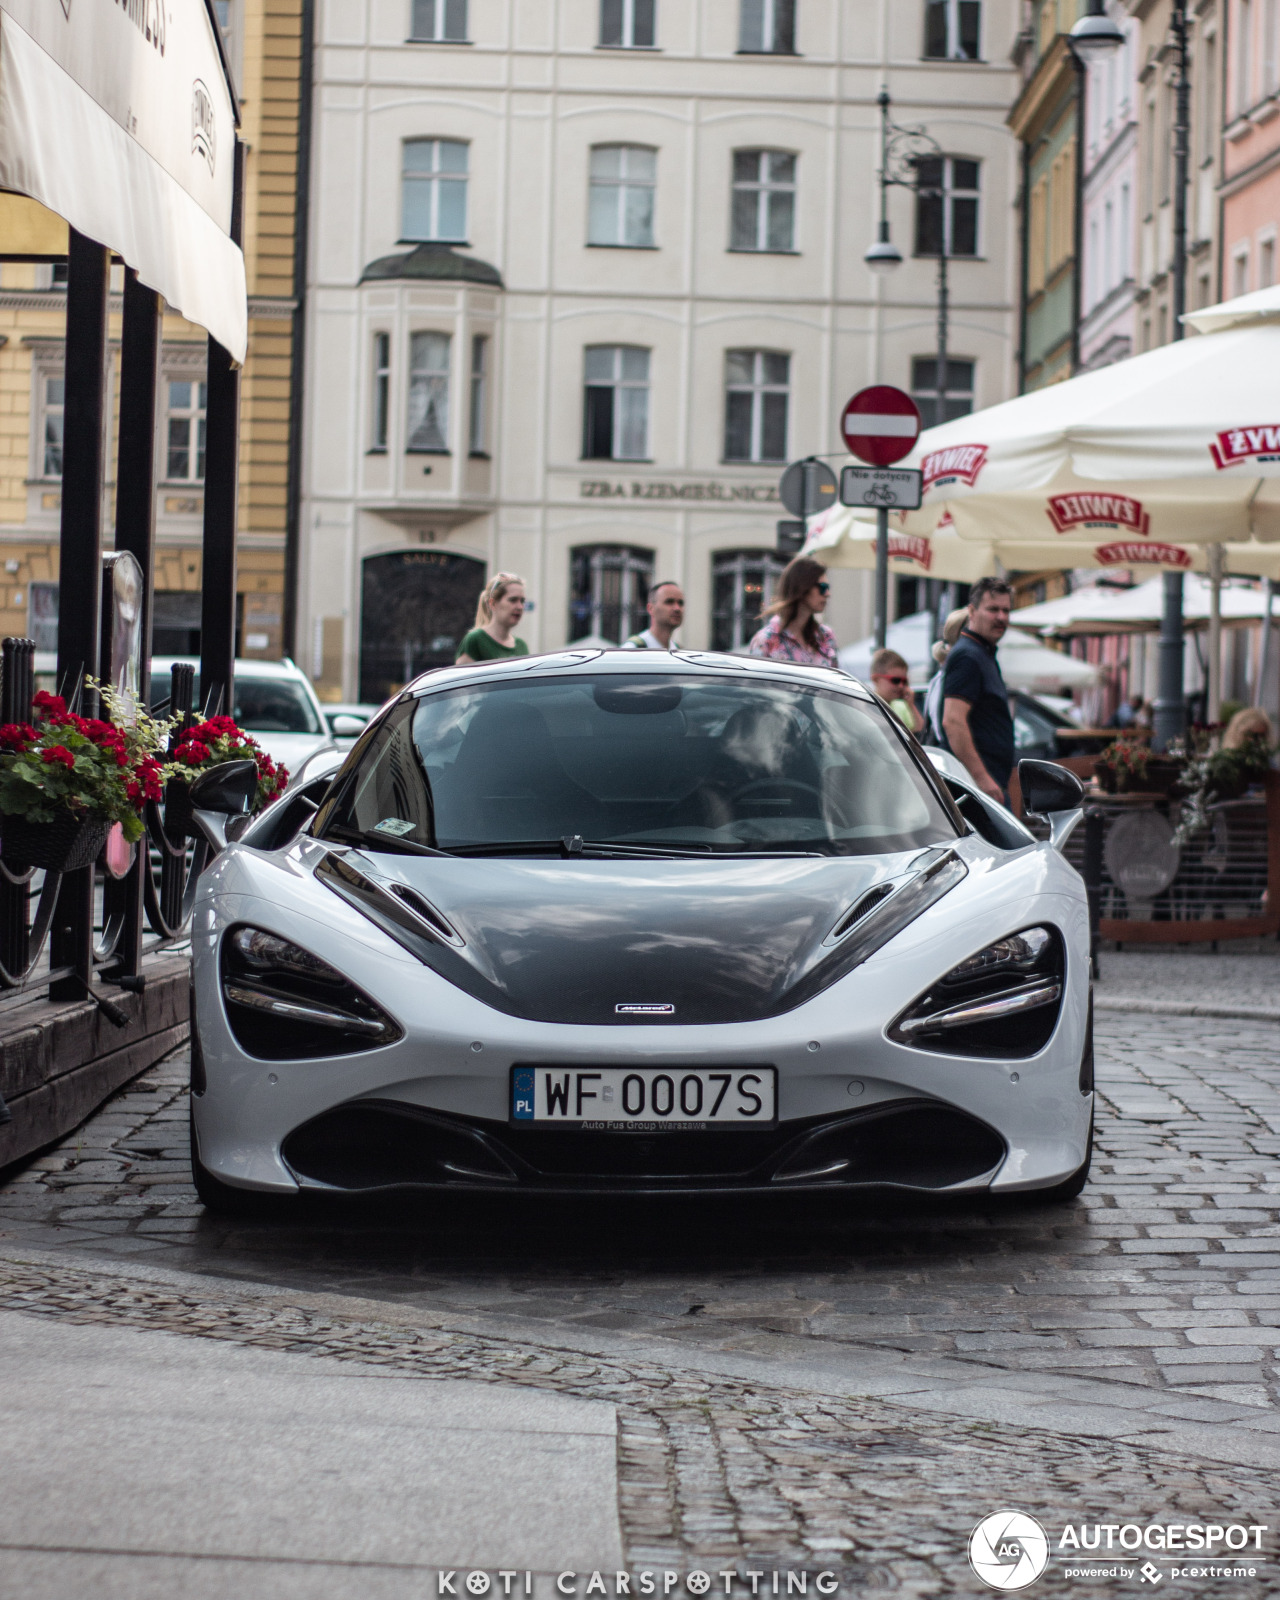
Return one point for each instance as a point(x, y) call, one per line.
point(1112, 1359)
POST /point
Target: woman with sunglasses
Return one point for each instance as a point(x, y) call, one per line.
point(793, 631)
point(890, 681)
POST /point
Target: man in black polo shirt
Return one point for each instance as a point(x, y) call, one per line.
point(976, 723)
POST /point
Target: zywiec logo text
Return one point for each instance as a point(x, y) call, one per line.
point(1088, 510)
point(958, 463)
point(1238, 444)
point(1128, 553)
point(148, 17)
point(203, 133)
point(910, 547)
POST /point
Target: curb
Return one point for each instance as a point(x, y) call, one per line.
point(1184, 1008)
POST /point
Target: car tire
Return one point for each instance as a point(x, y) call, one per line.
point(1070, 1188)
point(223, 1199)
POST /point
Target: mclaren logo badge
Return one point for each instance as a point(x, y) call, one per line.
point(644, 1008)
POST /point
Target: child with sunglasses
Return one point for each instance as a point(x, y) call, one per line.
point(793, 631)
point(890, 681)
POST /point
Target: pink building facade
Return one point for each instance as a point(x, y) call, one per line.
point(1250, 190)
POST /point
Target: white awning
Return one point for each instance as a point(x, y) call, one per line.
point(118, 118)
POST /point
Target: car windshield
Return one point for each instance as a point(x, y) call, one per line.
point(639, 761)
point(274, 705)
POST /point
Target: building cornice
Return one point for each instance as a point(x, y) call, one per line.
point(1031, 111)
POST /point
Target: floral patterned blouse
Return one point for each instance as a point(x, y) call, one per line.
point(776, 643)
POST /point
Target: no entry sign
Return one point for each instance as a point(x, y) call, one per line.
point(880, 425)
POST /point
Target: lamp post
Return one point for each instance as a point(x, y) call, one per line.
point(902, 150)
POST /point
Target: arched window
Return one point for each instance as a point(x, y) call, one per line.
point(764, 200)
point(743, 582)
point(433, 191)
point(609, 584)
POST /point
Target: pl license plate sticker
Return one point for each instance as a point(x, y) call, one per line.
point(397, 827)
point(644, 1098)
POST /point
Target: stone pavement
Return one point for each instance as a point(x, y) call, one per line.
point(1241, 977)
point(853, 1384)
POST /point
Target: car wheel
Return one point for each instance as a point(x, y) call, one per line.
point(1070, 1188)
point(223, 1199)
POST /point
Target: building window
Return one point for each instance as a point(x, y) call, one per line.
point(1267, 261)
point(621, 200)
point(958, 399)
point(742, 582)
point(1244, 57)
point(947, 206)
point(42, 615)
point(608, 587)
point(1037, 235)
point(381, 390)
point(52, 394)
point(439, 21)
point(951, 30)
point(429, 393)
point(627, 24)
point(767, 27)
point(226, 26)
point(616, 408)
point(184, 456)
point(757, 386)
point(764, 200)
point(434, 191)
point(479, 394)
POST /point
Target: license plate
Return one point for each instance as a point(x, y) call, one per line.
point(647, 1099)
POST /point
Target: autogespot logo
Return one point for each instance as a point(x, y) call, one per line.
point(1008, 1550)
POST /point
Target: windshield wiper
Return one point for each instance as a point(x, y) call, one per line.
point(381, 841)
point(573, 845)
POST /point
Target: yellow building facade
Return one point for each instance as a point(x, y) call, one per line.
point(264, 41)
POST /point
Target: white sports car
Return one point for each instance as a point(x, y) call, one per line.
point(617, 921)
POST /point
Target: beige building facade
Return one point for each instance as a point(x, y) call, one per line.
point(265, 47)
point(584, 276)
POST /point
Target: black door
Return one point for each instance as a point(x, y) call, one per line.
point(415, 607)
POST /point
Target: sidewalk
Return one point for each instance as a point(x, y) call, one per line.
point(1240, 979)
point(140, 1464)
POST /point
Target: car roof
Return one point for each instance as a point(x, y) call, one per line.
point(243, 669)
point(657, 663)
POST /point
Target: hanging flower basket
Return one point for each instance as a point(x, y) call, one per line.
point(209, 744)
point(63, 845)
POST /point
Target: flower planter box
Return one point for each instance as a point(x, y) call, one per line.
point(61, 846)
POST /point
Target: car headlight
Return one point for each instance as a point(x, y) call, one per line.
point(1002, 1001)
point(283, 1003)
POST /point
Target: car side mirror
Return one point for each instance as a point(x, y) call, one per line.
point(230, 788)
point(347, 727)
point(1051, 791)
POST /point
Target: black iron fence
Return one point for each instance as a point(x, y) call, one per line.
point(146, 910)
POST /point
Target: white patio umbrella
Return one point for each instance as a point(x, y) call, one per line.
point(1137, 610)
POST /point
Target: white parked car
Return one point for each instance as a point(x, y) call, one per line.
point(274, 701)
point(601, 922)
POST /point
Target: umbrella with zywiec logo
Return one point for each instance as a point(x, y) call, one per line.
point(1138, 463)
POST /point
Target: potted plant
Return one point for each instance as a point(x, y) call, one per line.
point(208, 744)
point(1212, 775)
point(65, 779)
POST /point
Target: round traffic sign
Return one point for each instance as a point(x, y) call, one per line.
point(880, 425)
point(807, 487)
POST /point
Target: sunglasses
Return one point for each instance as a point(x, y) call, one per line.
point(898, 683)
point(823, 588)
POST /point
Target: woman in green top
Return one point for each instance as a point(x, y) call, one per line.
point(497, 617)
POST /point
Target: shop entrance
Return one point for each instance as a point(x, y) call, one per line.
point(415, 607)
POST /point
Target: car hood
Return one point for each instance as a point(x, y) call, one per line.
point(572, 941)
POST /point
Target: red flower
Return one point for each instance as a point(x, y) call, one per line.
point(17, 736)
point(60, 754)
point(53, 705)
point(193, 753)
